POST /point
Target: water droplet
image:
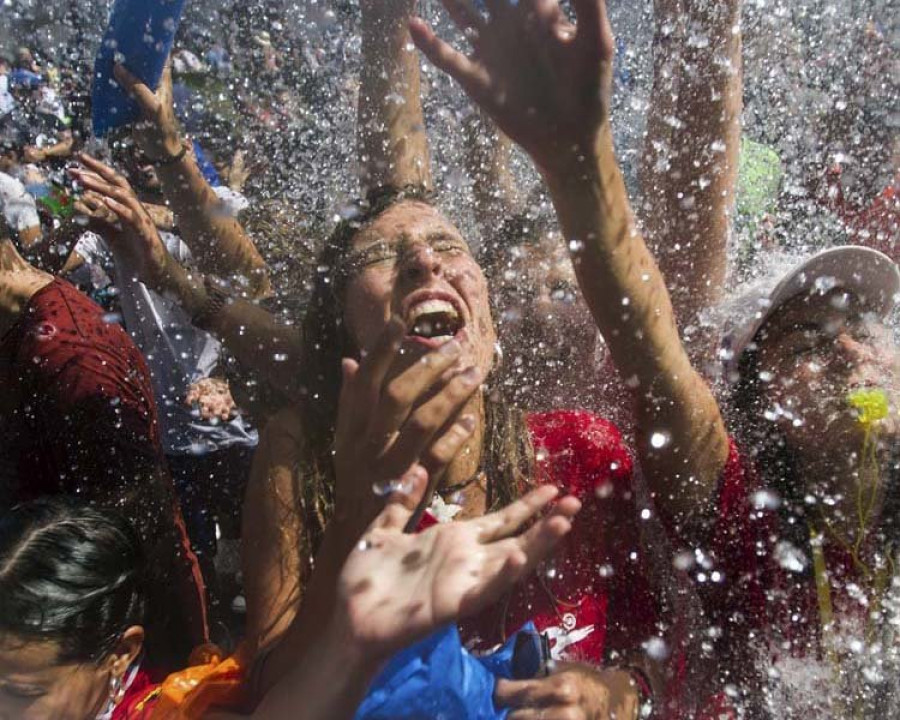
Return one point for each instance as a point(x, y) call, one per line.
point(659, 440)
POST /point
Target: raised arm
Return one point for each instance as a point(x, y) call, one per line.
point(249, 332)
point(216, 238)
point(396, 588)
point(487, 162)
point(691, 150)
point(547, 85)
point(393, 144)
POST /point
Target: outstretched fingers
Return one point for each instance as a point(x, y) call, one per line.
point(103, 170)
point(469, 74)
point(507, 521)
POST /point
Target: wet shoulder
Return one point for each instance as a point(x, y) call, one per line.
point(581, 453)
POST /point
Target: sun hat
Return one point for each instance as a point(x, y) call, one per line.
point(869, 274)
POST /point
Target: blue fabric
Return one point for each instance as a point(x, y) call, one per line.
point(439, 678)
point(25, 78)
point(206, 166)
point(140, 34)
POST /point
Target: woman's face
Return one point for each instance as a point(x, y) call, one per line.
point(34, 685)
point(413, 263)
point(813, 355)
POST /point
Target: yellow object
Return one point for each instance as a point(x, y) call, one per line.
point(870, 404)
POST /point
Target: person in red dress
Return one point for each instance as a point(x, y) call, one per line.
point(79, 419)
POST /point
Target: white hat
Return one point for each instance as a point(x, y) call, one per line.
point(869, 274)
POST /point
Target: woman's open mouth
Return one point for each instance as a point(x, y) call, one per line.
point(433, 320)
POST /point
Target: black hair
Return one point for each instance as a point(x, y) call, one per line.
point(69, 574)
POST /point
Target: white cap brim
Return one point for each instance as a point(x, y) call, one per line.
point(870, 275)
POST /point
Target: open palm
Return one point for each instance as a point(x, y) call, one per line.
point(397, 588)
point(545, 82)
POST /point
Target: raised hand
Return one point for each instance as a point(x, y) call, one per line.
point(132, 234)
point(545, 82)
point(396, 588)
point(157, 134)
point(388, 426)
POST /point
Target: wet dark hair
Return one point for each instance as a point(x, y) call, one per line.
point(775, 463)
point(507, 455)
point(70, 575)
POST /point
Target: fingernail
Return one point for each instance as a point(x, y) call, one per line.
point(451, 347)
point(467, 423)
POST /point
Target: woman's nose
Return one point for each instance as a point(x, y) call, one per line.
point(419, 261)
point(852, 351)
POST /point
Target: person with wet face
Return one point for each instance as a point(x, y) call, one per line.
point(545, 330)
point(803, 525)
point(73, 604)
point(78, 418)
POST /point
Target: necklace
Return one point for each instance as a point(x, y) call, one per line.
point(453, 489)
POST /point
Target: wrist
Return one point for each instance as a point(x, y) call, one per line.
point(582, 161)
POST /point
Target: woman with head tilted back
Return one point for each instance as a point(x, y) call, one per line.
point(401, 316)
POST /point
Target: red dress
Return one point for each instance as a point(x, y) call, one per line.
point(79, 419)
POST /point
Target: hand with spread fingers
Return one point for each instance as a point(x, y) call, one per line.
point(212, 396)
point(573, 693)
point(133, 237)
point(544, 81)
point(396, 588)
point(387, 424)
point(157, 134)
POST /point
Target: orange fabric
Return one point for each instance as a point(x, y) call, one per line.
point(189, 694)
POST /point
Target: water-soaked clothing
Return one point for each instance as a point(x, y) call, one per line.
point(79, 419)
point(767, 598)
point(594, 599)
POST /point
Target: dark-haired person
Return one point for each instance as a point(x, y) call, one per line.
point(74, 598)
point(421, 373)
point(78, 417)
point(803, 521)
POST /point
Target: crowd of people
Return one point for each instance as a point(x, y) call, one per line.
point(228, 489)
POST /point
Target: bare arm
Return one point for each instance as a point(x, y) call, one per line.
point(555, 84)
point(393, 144)
point(487, 162)
point(690, 160)
point(216, 239)
point(249, 332)
point(274, 565)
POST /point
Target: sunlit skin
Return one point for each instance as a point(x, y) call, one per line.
point(380, 289)
point(430, 256)
point(813, 354)
point(546, 330)
point(36, 685)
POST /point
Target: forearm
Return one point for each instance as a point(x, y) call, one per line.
point(487, 162)
point(62, 149)
point(627, 296)
point(393, 143)
point(327, 681)
point(217, 240)
point(689, 171)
